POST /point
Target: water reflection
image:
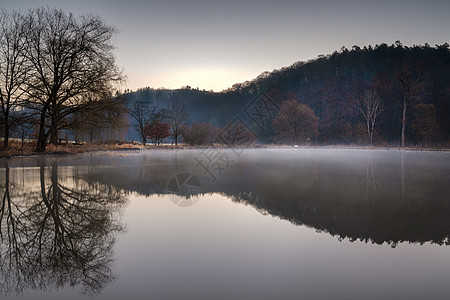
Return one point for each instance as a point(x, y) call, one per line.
point(55, 229)
point(381, 197)
point(377, 196)
point(59, 217)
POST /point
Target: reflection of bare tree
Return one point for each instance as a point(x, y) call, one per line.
point(56, 236)
point(150, 178)
point(405, 199)
point(369, 186)
point(11, 255)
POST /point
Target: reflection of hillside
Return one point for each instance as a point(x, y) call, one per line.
point(365, 195)
point(145, 177)
point(347, 200)
point(57, 231)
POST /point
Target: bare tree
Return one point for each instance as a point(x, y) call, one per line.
point(411, 78)
point(68, 58)
point(146, 117)
point(178, 117)
point(139, 112)
point(12, 69)
point(369, 107)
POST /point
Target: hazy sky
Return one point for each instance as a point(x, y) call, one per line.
point(214, 44)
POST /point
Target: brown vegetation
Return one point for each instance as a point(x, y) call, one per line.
point(16, 149)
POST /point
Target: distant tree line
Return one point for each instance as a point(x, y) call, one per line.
point(383, 95)
point(57, 72)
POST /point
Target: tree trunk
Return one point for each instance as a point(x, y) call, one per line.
point(6, 134)
point(372, 130)
point(54, 124)
point(53, 135)
point(142, 133)
point(7, 180)
point(42, 139)
point(404, 123)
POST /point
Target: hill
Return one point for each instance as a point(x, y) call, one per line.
point(332, 85)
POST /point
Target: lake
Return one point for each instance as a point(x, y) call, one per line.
point(286, 223)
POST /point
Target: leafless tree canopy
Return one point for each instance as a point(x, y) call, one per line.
point(68, 60)
point(13, 69)
point(178, 117)
point(369, 107)
point(412, 79)
point(146, 116)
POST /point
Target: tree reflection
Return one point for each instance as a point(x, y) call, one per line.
point(402, 197)
point(369, 185)
point(378, 196)
point(57, 234)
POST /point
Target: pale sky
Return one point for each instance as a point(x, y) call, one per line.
point(213, 44)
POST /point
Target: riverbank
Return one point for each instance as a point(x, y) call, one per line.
point(27, 149)
point(17, 149)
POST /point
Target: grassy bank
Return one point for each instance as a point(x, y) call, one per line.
point(17, 149)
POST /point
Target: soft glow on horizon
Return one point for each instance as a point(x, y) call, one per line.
point(213, 45)
point(203, 79)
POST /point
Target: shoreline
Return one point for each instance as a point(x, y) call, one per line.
point(73, 149)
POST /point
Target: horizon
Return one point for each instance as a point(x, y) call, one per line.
point(212, 45)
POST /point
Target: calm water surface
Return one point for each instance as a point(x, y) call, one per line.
point(235, 224)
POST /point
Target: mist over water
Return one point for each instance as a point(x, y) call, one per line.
point(240, 223)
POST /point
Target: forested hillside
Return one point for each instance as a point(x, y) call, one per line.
point(414, 80)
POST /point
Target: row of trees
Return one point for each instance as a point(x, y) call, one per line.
point(54, 69)
point(394, 89)
point(156, 123)
point(296, 123)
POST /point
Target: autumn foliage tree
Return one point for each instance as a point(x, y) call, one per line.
point(296, 123)
point(157, 131)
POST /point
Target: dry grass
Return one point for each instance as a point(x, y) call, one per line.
point(15, 148)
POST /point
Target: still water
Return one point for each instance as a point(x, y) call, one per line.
point(226, 224)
